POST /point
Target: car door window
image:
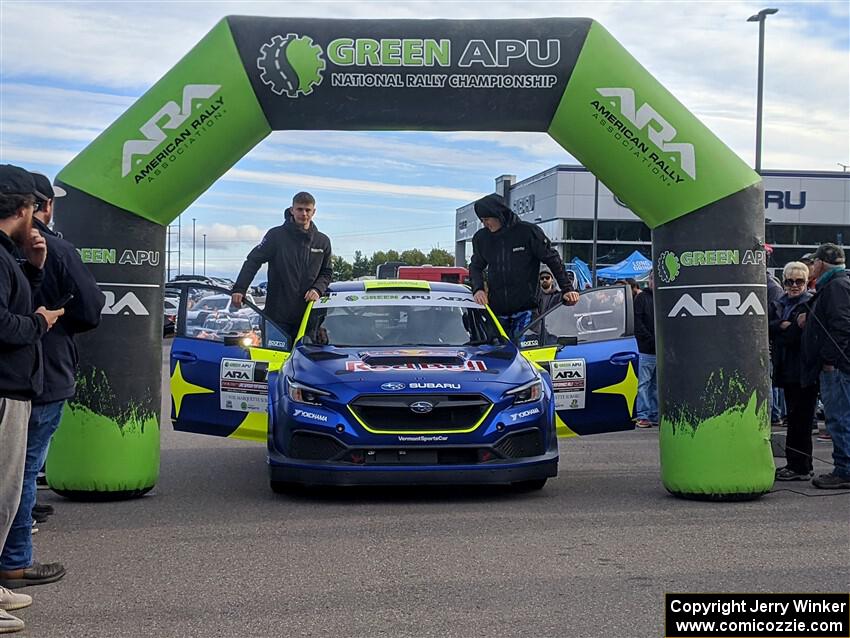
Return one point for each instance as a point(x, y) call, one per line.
point(209, 315)
point(600, 315)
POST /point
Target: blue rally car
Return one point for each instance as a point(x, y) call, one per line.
point(406, 382)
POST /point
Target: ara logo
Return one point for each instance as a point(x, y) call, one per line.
point(568, 374)
point(129, 304)
point(237, 374)
point(154, 131)
point(291, 65)
point(713, 303)
point(659, 130)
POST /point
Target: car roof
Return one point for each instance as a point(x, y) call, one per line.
point(397, 284)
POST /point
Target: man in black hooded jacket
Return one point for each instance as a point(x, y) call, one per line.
point(511, 251)
point(300, 269)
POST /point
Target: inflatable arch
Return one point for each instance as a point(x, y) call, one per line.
point(568, 77)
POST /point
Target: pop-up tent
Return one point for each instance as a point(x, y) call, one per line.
point(582, 273)
point(634, 265)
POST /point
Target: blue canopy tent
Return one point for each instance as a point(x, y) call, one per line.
point(581, 272)
point(632, 266)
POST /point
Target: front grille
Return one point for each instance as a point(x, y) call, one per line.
point(521, 444)
point(314, 447)
point(449, 412)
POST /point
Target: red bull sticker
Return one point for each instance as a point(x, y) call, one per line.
point(466, 366)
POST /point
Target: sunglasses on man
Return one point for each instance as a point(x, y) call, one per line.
point(545, 277)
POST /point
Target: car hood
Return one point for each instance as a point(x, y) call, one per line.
point(438, 369)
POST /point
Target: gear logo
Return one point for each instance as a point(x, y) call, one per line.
point(668, 266)
point(291, 65)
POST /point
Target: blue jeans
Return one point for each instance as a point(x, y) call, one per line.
point(44, 419)
point(647, 398)
point(777, 405)
point(515, 324)
point(835, 393)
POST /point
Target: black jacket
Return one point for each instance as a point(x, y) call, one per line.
point(826, 337)
point(645, 321)
point(20, 328)
point(512, 258)
point(786, 344)
point(64, 272)
point(298, 260)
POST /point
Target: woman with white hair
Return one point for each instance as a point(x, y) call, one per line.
point(785, 336)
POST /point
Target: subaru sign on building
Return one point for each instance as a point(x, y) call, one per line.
point(803, 209)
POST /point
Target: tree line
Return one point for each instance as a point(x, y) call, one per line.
point(362, 265)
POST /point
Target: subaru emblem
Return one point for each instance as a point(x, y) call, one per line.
point(392, 386)
point(421, 407)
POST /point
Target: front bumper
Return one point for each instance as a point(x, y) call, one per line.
point(540, 467)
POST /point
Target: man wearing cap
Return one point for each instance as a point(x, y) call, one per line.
point(300, 270)
point(64, 276)
point(826, 356)
point(21, 329)
point(548, 295)
point(511, 251)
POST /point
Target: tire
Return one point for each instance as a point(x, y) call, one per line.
point(530, 486)
point(285, 487)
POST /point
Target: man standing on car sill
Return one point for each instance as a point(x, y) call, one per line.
point(64, 275)
point(299, 259)
point(511, 252)
point(21, 330)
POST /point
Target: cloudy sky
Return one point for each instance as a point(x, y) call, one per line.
point(69, 69)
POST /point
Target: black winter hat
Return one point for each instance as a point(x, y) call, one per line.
point(831, 254)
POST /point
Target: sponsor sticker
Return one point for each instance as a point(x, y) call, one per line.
point(525, 413)
point(243, 385)
point(467, 366)
point(569, 381)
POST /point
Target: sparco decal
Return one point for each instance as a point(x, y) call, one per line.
point(659, 131)
point(174, 117)
point(712, 304)
point(129, 304)
point(670, 264)
point(466, 366)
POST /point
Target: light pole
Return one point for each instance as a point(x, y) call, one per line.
point(595, 226)
point(193, 245)
point(205, 254)
point(760, 17)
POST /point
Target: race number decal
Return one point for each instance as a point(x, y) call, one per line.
point(244, 385)
point(569, 381)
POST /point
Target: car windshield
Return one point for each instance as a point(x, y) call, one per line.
point(401, 325)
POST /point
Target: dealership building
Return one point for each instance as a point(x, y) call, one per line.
point(803, 209)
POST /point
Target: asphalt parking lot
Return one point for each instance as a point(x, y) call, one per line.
point(212, 552)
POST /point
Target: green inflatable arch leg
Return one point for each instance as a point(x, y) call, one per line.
point(568, 77)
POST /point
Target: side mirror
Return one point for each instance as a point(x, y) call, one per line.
point(237, 340)
point(567, 341)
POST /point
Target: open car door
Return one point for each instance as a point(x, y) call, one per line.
point(221, 359)
point(591, 356)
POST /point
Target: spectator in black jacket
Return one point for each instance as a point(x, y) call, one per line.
point(785, 341)
point(21, 330)
point(826, 356)
point(64, 275)
point(300, 269)
point(510, 251)
point(647, 399)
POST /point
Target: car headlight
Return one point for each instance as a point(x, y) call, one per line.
point(528, 392)
point(301, 393)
